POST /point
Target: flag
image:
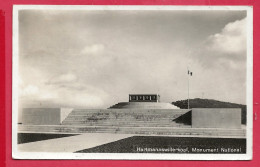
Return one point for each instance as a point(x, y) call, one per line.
point(189, 73)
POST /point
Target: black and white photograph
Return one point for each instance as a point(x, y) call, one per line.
point(132, 82)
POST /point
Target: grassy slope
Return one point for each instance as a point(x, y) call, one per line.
point(209, 103)
point(32, 137)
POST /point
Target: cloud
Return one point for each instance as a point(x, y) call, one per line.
point(64, 96)
point(29, 90)
point(89, 67)
point(226, 49)
point(92, 49)
point(20, 81)
point(231, 40)
point(87, 98)
point(65, 90)
point(63, 78)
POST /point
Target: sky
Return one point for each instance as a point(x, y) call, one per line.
point(94, 59)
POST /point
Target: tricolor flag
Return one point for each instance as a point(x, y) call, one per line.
point(189, 73)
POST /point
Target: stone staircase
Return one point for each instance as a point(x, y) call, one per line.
point(128, 118)
point(130, 121)
point(143, 105)
point(203, 132)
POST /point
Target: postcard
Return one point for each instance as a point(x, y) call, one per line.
point(132, 82)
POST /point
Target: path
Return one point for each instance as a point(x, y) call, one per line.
point(72, 143)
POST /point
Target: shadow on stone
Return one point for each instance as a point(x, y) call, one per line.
point(184, 119)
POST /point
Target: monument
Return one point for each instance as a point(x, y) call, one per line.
point(143, 114)
point(144, 101)
point(144, 98)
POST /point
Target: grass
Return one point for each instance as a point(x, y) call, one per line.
point(32, 137)
point(156, 144)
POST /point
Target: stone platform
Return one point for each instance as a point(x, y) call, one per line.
point(143, 105)
point(173, 122)
point(71, 144)
point(153, 131)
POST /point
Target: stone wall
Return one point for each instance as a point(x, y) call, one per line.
point(228, 118)
point(44, 116)
point(41, 116)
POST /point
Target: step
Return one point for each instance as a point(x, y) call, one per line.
point(132, 111)
point(132, 130)
point(119, 121)
point(138, 125)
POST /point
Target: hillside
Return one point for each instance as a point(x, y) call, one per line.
point(210, 103)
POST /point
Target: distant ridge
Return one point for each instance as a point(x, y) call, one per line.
point(210, 103)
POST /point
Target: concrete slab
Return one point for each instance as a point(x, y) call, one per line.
point(227, 118)
point(73, 143)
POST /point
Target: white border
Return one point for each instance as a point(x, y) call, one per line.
point(132, 156)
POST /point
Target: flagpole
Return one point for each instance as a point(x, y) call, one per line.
point(188, 90)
